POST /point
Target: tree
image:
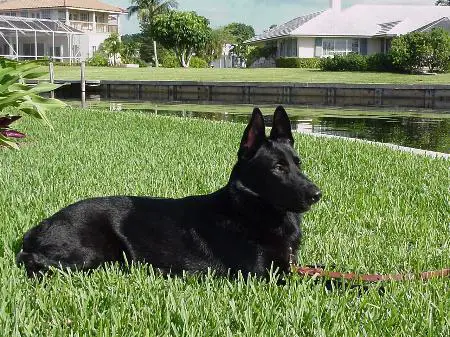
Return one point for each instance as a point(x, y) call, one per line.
point(409, 52)
point(439, 56)
point(146, 11)
point(414, 51)
point(240, 32)
point(214, 47)
point(184, 32)
point(130, 49)
point(443, 3)
point(112, 46)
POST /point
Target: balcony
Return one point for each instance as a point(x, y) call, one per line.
point(94, 27)
point(82, 25)
point(107, 28)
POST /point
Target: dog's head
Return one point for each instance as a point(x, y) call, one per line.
point(270, 168)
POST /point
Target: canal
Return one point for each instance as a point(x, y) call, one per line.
point(421, 129)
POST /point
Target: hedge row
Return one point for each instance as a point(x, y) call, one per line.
point(295, 62)
point(356, 62)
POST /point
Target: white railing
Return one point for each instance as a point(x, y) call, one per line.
point(82, 25)
point(106, 28)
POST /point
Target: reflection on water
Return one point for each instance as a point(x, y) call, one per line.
point(413, 131)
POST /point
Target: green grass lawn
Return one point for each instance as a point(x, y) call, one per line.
point(382, 211)
point(245, 75)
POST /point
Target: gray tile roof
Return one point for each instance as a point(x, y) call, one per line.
point(362, 21)
point(284, 29)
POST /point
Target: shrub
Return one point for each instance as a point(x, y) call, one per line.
point(295, 62)
point(350, 62)
point(99, 59)
point(169, 60)
point(23, 98)
point(257, 52)
point(409, 52)
point(380, 62)
point(198, 62)
point(439, 58)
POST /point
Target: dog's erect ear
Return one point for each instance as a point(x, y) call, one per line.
point(281, 127)
point(254, 135)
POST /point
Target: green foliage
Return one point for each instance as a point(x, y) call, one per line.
point(380, 62)
point(130, 51)
point(214, 47)
point(23, 98)
point(295, 62)
point(257, 52)
point(112, 46)
point(198, 62)
point(350, 62)
point(146, 11)
point(184, 32)
point(355, 62)
point(238, 33)
point(168, 59)
point(410, 51)
point(99, 59)
point(439, 56)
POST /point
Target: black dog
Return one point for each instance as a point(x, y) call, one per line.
point(250, 225)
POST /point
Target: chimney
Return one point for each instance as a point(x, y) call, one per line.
point(335, 5)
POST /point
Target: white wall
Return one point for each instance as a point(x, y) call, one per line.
point(306, 46)
point(84, 47)
point(373, 46)
point(96, 39)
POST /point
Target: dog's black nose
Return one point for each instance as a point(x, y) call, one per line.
point(315, 196)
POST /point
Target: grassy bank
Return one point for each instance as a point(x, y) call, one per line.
point(245, 75)
point(382, 211)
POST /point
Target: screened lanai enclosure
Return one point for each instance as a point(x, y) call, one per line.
point(33, 39)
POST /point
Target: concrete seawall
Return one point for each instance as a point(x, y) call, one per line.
point(325, 94)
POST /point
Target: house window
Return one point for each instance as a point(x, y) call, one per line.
point(288, 48)
point(333, 47)
point(84, 17)
point(36, 15)
point(24, 14)
point(62, 15)
point(46, 14)
point(73, 16)
point(94, 49)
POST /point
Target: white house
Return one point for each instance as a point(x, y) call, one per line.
point(89, 21)
point(363, 29)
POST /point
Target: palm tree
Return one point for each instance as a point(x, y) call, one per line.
point(146, 10)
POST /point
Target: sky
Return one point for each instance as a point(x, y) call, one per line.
point(260, 14)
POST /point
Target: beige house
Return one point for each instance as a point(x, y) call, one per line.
point(90, 22)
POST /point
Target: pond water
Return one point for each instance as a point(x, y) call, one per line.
point(425, 130)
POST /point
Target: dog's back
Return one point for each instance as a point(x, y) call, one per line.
point(250, 225)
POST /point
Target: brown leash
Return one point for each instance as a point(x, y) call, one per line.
point(317, 272)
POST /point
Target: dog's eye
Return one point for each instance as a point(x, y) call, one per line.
point(280, 167)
